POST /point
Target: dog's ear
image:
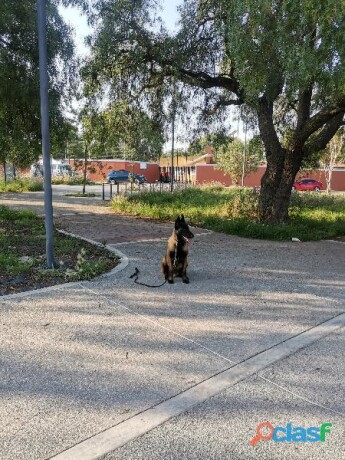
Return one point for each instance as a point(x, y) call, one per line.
point(178, 223)
point(181, 217)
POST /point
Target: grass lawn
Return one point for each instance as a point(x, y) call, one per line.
point(22, 255)
point(313, 216)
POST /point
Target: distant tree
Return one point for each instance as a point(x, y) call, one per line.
point(118, 132)
point(92, 137)
point(75, 147)
point(127, 132)
point(238, 159)
point(256, 149)
point(121, 131)
point(215, 140)
point(334, 153)
point(65, 140)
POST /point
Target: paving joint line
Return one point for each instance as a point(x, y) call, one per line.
point(281, 387)
point(235, 363)
point(158, 324)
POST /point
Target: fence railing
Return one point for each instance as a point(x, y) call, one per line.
point(109, 190)
point(185, 174)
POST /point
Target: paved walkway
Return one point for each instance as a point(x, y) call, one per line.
point(91, 218)
point(109, 369)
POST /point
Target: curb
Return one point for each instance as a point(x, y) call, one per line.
point(121, 266)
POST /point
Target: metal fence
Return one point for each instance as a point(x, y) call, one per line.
point(109, 190)
point(180, 174)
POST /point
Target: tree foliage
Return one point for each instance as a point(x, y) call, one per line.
point(19, 78)
point(239, 159)
point(130, 134)
point(121, 131)
point(215, 140)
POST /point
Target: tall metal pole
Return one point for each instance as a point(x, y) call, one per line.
point(48, 202)
point(244, 154)
point(172, 143)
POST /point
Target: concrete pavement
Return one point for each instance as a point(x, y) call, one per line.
point(222, 427)
point(79, 361)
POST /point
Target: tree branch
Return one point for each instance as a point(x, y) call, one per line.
point(303, 107)
point(222, 102)
point(196, 78)
point(321, 118)
point(320, 141)
point(267, 130)
point(205, 81)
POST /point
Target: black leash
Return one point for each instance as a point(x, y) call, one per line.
point(136, 275)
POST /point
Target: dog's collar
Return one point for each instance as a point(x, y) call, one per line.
point(175, 255)
point(183, 239)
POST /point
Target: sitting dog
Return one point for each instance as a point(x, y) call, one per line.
point(175, 261)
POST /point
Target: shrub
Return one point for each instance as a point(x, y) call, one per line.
point(243, 203)
point(69, 180)
point(212, 186)
point(33, 185)
point(25, 184)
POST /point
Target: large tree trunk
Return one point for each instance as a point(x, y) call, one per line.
point(276, 185)
point(282, 167)
point(269, 184)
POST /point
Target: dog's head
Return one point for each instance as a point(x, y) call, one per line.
point(182, 230)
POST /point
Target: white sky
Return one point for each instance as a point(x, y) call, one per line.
point(78, 21)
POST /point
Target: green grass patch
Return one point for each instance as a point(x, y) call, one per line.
point(25, 184)
point(235, 211)
point(22, 254)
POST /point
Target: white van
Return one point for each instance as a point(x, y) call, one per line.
point(58, 169)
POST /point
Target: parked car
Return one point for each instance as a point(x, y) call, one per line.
point(125, 176)
point(303, 185)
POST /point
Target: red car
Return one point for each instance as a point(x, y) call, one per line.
point(311, 185)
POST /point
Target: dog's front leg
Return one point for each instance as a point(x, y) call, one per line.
point(169, 260)
point(185, 278)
